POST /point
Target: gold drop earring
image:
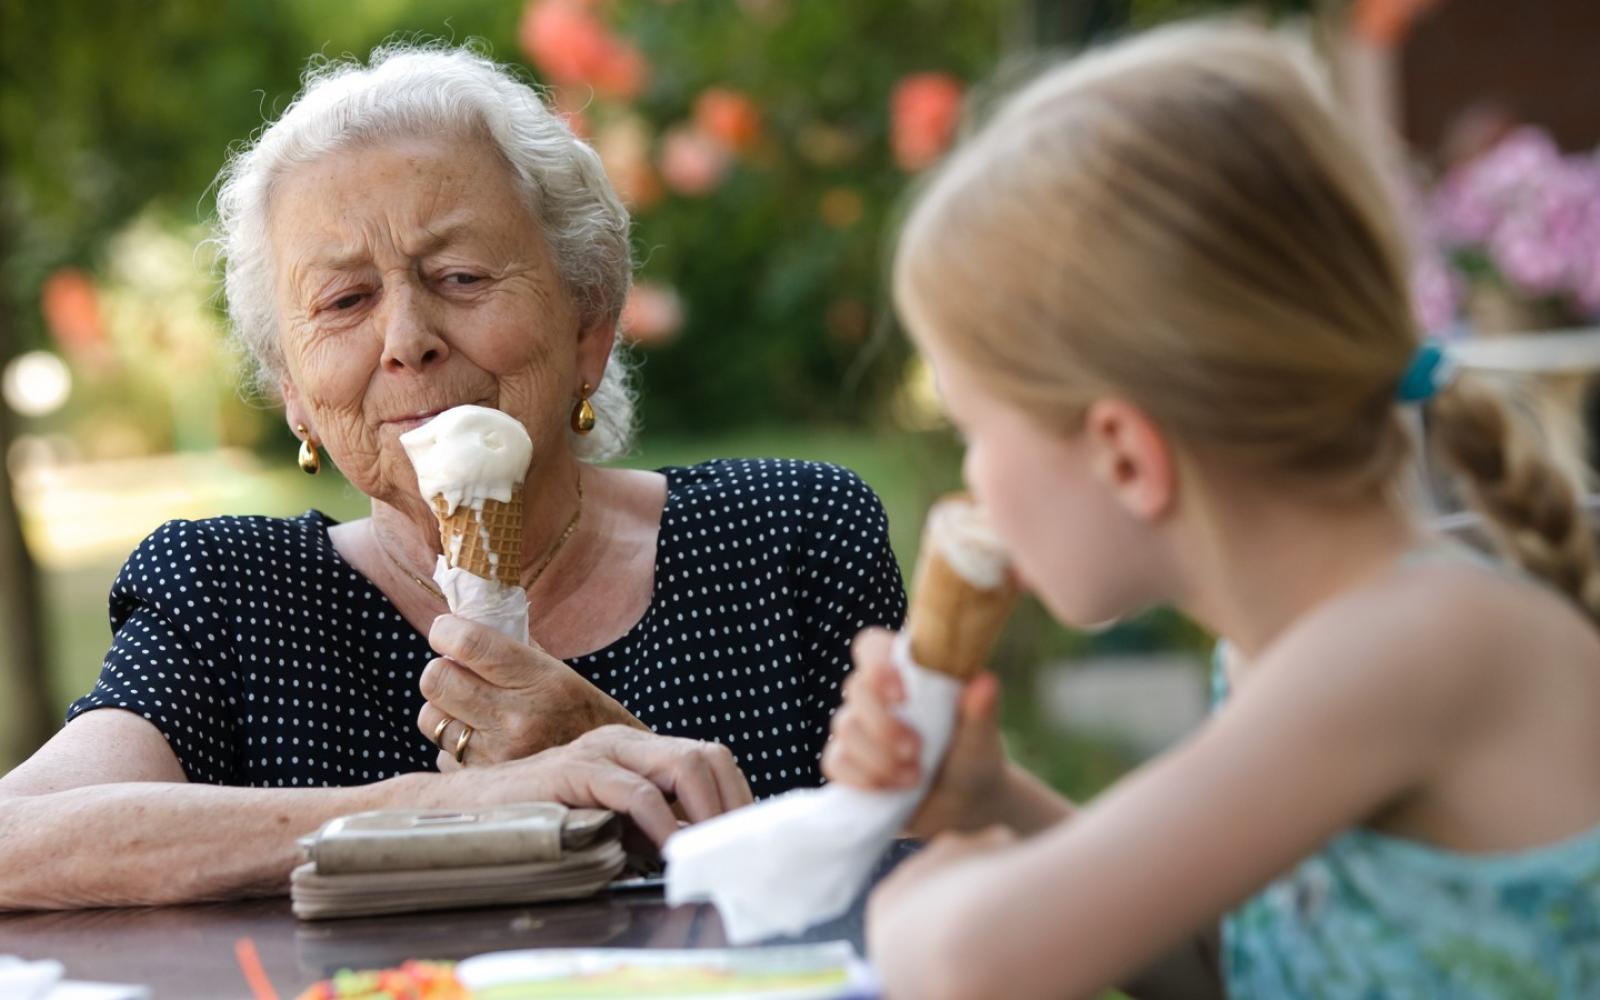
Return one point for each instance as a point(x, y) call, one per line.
point(310, 460)
point(583, 412)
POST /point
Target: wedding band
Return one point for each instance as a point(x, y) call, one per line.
point(438, 731)
point(461, 743)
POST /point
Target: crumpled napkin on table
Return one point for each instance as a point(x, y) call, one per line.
point(780, 866)
point(24, 980)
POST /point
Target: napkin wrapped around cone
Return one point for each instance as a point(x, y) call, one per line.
point(780, 866)
point(471, 463)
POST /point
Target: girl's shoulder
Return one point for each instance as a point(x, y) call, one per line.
point(1440, 639)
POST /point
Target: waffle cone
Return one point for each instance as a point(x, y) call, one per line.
point(953, 622)
point(486, 541)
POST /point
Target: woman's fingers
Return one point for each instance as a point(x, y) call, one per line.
point(732, 786)
point(702, 776)
point(695, 787)
point(460, 692)
point(610, 786)
point(492, 656)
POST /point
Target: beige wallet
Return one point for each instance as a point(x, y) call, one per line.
point(407, 860)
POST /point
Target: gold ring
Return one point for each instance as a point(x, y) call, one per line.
point(461, 743)
point(438, 731)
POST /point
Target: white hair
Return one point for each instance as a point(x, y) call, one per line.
point(411, 90)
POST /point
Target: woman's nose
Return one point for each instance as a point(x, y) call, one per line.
point(411, 337)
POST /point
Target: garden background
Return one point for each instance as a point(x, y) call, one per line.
point(764, 146)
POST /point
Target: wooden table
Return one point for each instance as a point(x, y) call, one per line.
point(187, 952)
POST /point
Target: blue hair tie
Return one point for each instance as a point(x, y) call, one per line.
point(1430, 370)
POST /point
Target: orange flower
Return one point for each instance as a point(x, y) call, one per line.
point(728, 116)
point(569, 44)
point(71, 308)
point(923, 112)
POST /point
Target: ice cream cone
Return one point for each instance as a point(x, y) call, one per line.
point(962, 591)
point(484, 539)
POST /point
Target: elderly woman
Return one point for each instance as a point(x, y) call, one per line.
point(410, 236)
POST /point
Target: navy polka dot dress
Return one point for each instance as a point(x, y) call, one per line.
point(267, 660)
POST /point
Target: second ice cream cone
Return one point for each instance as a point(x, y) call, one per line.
point(962, 591)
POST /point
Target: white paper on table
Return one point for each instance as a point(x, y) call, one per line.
point(780, 866)
point(28, 980)
point(487, 602)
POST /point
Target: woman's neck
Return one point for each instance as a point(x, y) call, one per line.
point(1253, 562)
point(408, 533)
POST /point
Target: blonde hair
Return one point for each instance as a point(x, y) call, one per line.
point(1180, 221)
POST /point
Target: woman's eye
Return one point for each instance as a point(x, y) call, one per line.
point(350, 301)
point(463, 279)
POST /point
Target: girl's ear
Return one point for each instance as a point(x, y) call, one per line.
point(1131, 457)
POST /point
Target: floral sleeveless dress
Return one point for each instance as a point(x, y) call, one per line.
point(1376, 916)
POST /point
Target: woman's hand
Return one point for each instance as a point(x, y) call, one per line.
point(518, 699)
point(627, 770)
point(873, 748)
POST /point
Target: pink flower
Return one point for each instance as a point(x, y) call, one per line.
point(728, 116)
point(923, 112)
point(653, 314)
point(1435, 293)
point(1474, 198)
point(1532, 211)
point(570, 45)
point(624, 148)
point(693, 163)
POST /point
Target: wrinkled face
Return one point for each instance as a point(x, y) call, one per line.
point(410, 278)
point(1072, 543)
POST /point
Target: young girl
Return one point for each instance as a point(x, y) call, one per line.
point(1166, 305)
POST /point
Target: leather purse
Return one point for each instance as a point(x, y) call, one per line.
point(410, 860)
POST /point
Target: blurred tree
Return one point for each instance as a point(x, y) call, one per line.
point(102, 110)
point(109, 110)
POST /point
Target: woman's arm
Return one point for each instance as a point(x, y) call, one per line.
point(102, 815)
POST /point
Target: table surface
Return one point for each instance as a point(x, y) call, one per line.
point(187, 952)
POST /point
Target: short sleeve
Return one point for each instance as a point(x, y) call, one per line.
point(169, 659)
point(849, 579)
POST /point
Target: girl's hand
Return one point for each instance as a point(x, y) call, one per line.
point(517, 698)
point(873, 748)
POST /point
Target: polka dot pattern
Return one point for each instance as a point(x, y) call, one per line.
point(267, 660)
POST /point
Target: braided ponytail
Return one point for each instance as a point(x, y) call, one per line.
point(1530, 504)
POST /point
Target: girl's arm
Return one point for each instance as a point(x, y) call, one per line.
point(1337, 725)
point(103, 815)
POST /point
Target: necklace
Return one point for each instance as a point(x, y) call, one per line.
point(538, 571)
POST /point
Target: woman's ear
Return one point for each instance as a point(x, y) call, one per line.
point(594, 349)
point(1131, 457)
point(294, 410)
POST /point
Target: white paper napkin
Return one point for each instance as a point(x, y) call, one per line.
point(487, 602)
point(25, 980)
point(780, 866)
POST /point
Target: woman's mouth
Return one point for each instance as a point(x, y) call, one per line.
point(415, 420)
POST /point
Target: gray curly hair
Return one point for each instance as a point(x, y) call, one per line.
point(408, 90)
